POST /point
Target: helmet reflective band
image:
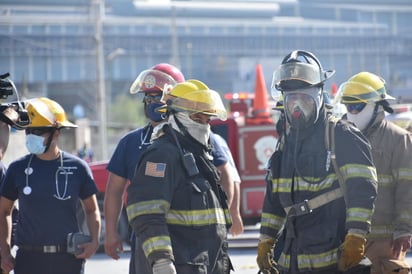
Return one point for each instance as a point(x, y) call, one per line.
point(152, 81)
point(302, 107)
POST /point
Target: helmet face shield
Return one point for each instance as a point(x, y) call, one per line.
point(302, 107)
point(207, 102)
point(295, 75)
point(152, 81)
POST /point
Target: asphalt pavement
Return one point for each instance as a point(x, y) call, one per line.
point(242, 250)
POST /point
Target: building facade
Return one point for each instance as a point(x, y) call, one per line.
point(72, 50)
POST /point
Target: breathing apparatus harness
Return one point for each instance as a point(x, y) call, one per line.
point(195, 160)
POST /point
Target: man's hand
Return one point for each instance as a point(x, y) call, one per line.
point(264, 257)
point(399, 245)
point(237, 225)
point(7, 262)
point(112, 245)
point(353, 250)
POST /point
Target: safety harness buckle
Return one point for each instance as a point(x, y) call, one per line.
point(301, 208)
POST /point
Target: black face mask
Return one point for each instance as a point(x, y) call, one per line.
point(152, 114)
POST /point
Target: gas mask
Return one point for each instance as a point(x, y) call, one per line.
point(35, 144)
point(302, 106)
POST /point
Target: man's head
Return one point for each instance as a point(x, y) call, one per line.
point(364, 95)
point(46, 117)
point(300, 79)
point(151, 83)
point(192, 105)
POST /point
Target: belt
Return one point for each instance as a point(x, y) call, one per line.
point(44, 248)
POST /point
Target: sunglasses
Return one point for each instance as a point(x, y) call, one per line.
point(39, 131)
point(152, 99)
point(358, 107)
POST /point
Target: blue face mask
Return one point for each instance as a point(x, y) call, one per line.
point(152, 113)
point(35, 144)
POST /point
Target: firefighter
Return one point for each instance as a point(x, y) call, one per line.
point(303, 195)
point(366, 99)
point(150, 83)
point(48, 183)
point(174, 202)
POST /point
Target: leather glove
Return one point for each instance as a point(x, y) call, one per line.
point(401, 244)
point(353, 251)
point(164, 266)
point(264, 257)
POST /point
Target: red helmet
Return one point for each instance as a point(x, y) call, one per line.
point(157, 78)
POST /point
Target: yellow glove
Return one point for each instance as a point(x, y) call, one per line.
point(353, 251)
point(264, 255)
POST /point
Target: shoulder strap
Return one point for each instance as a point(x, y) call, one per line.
point(330, 148)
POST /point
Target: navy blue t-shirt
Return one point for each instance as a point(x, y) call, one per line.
point(48, 213)
point(128, 152)
point(218, 153)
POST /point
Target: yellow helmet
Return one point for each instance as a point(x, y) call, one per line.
point(44, 112)
point(364, 87)
point(194, 96)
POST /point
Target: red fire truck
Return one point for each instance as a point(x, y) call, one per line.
point(251, 135)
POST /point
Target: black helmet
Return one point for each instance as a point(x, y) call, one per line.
point(299, 70)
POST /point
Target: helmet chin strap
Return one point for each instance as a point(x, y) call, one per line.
point(50, 139)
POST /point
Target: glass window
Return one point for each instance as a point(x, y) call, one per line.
point(20, 29)
point(55, 29)
point(35, 29)
point(56, 69)
point(72, 69)
point(403, 22)
point(39, 68)
point(235, 30)
point(21, 68)
point(366, 17)
point(71, 29)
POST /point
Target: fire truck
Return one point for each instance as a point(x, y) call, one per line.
point(251, 136)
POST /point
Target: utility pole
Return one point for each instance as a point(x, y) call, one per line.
point(175, 42)
point(98, 12)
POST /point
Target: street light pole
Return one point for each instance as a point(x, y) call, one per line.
point(109, 58)
point(101, 94)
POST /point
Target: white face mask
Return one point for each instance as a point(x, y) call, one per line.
point(35, 144)
point(200, 132)
point(362, 119)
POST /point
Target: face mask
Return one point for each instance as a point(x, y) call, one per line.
point(201, 132)
point(362, 119)
point(35, 144)
point(302, 110)
point(152, 113)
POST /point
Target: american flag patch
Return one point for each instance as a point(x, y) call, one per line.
point(155, 169)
